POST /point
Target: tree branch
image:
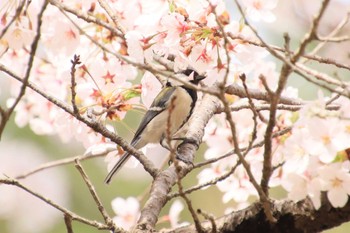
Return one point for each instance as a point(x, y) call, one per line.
point(93, 124)
point(106, 217)
point(291, 217)
point(163, 182)
point(67, 212)
point(6, 115)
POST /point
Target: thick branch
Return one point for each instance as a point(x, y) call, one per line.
point(291, 217)
point(167, 178)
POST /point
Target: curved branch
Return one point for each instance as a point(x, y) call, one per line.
point(93, 124)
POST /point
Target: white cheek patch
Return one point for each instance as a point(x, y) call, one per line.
point(156, 109)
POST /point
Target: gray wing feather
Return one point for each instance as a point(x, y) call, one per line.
point(161, 102)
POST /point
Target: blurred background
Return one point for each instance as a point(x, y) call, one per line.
point(21, 150)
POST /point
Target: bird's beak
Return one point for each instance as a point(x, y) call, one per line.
point(200, 77)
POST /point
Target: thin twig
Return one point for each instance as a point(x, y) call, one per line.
point(226, 43)
point(319, 59)
point(75, 61)
point(256, 114)
point(106, 217)
point(206, 184)
point(266, 86)
point(232, 152)
point(334, 39)
point(148, 67)
point(57, 163)
point(86, 17)
point(235, 89)
point(210, 218)
point(73, 216)
point(265, 107)
point(112, 15)
point(312, 34)
point(275, 97)
point(68, 222)
point(342, 92)
point(195, 218)
point(320, 76)
point(25, 80)
point(266, 45)
point(95, 125)
point(262, 195)
point(331, 34)
point(331, 100)
point(17, 15)
point(250, 101)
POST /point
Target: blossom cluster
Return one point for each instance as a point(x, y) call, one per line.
point(105, 80)
point(316, 156)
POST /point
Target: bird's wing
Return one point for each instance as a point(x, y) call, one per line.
point(160, 103)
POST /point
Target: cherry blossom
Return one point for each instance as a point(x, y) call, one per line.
point(336, 179)
point(127, 212)
point(150, 88)
point(311, 155)
point(260, 10)
point(301, 186)
point(114, 78)
point(174, 212)
point(18, 37)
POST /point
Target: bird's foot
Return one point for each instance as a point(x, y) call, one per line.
point(187, 140)
point(183, 159)
point(180, 158)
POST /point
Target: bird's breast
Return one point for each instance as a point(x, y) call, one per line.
point(169, 120)
point(181, 109)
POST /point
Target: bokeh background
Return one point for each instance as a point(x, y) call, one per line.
point(21, 150)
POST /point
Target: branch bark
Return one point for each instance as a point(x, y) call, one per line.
point(164, 181)
point(300, 217)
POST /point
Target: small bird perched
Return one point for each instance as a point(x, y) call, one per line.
point(154, 125)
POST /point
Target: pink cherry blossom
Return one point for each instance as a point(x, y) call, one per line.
point(18, 37)
point(174, 214)
point(301, 186)
point(330, 136)
point(127, 212)
point(150, 88)
point(336, 181)
point(260, 9)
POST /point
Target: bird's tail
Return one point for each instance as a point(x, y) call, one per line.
point(117, 166)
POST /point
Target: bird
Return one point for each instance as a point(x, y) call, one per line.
point(154, 127)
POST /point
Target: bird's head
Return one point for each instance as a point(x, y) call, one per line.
point(194, 76)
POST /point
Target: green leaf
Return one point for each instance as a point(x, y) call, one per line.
point(131, 93)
